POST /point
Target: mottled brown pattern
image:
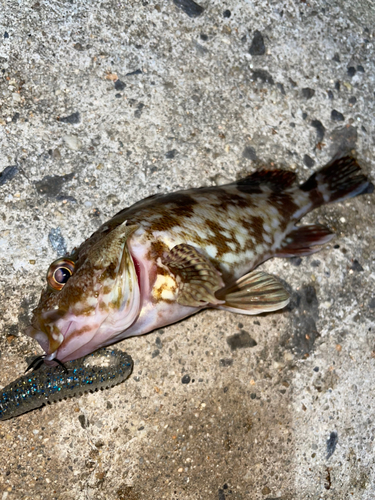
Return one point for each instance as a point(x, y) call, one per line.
point(218, 239)
point(225, 199)
point(162, 271)
point(109, 273)
point(157, 249)
point(285, 205)
point(256, 229)
point(164, 221)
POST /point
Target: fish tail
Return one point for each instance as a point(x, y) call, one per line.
point(342, 178)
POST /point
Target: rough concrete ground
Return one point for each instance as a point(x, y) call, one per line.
point(105, 103)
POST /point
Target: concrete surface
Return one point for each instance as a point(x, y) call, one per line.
point(104, 103)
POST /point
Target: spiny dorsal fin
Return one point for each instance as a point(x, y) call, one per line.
point(198, 278)
point(277, 180)
point(254, 293)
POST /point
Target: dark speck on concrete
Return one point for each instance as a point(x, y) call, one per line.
point(371, 303)
point(316, 369)
point(83, 421)
point(360, 68)
point(308, 93)
point(190, 8)
point(330, 94)
point(304, 116)
point(295, 261)
point(6, 35)
point(315, 263)
point(227, 13)
point(262, 75)
point(7, 174)
point(221, 494)
point(336, 57)
point(309, 162)
point(51, 185)
point(331, 444)
point(257, 47)
point(352, 100)
point(158, 342)
point(118, 96)
point(344, 138)
point(171, 154)
point(280, 86)
point(351, 71)
point(15, 117)
point(186, 379)
point(119, 85)
point(320, 130)
point(253, 395)
point(203, 37)
point(356, 266)
point(138, 111)
point(226, 362)
point(249, 153)
point(240, 341)
point(336, 116)
point(155, 353)
point(337, 86)
point(57, 241)
point(72, 119)
point(136, 72)
point(66, 198)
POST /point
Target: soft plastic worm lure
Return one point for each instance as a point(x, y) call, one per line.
point(100, 370)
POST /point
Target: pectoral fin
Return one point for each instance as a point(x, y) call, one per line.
point(254, 293)
point(197, 278)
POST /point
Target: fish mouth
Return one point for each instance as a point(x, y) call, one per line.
point(49, 341)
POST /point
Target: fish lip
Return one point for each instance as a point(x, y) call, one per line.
point(49, 342)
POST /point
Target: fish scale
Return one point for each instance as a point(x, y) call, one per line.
point(168, 256)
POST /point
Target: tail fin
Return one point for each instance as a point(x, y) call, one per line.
point(337, 181)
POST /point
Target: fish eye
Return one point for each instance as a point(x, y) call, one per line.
point(59, 272)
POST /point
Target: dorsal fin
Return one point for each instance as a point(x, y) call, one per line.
point(277, 180)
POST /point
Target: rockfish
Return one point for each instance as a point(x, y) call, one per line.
point(170, 255)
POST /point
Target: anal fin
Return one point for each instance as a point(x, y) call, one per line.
point(198, 279)
point(305, 240)
point(254, 293)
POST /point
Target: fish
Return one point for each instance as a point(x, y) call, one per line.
point(170, 255)
point(103, 369)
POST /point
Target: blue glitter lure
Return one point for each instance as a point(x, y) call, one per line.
point(102, 369)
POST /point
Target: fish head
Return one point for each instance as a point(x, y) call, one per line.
point(91, 297)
